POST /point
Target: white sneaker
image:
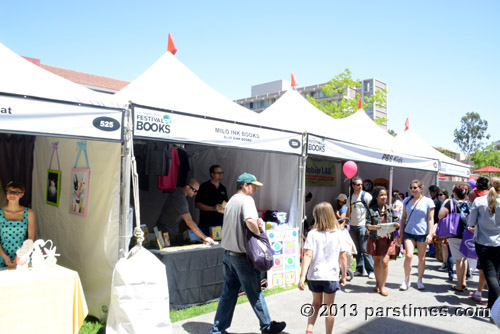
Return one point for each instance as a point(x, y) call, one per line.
point(420, 285)
point(405, 285)
point(371, 275)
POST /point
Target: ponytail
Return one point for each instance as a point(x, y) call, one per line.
point(492, 194)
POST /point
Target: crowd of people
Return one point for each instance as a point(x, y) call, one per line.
point(414, 222)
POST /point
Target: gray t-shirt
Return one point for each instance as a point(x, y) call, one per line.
point(239, 208)
point(170, 216)
point(357, 209)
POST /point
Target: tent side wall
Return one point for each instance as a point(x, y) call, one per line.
point(88, 244)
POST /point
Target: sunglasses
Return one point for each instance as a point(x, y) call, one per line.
point(440, 194)
point(193, 189)
point(357, 184)
point(16, 193)
point(413, 188)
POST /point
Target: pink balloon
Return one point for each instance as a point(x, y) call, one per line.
point(350, 168)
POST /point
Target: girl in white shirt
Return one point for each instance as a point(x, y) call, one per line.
point(324, 249)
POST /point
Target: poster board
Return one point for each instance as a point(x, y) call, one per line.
point(286, 250)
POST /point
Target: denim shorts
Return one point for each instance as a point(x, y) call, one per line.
point(414, 237)
point(323, 286)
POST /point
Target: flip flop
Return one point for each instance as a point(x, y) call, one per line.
point(454, 288)
point(376, 289)
point(384, 293)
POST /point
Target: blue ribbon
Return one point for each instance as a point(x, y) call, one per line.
point(81, 146)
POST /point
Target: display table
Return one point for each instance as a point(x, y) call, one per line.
point(41, 301)
point(194, 274)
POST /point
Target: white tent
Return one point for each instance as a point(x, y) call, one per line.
point(355, 138)
point(409, 138)
point(171, 103)
point(36, 102)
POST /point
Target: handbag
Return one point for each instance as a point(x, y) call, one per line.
point(259, 251)
point(467, 247)
point(448, 226)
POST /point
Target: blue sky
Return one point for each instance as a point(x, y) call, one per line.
point(440, 59)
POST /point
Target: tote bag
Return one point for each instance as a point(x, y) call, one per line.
point(259, 251)
point(448, 226)
point(467, 247)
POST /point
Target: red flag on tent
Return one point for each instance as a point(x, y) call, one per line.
point(294, 82)
point(171, 45)
point(360, 104)
point(407, 124)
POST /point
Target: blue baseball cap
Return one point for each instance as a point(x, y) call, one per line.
point(249, 178)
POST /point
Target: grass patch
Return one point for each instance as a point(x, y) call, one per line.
point(190, 312)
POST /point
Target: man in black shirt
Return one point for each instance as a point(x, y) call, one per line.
point(209, 200)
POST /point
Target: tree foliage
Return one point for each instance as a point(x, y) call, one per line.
point(447, 152)
point(470, 135)
point(344, 106)
point(489, 156)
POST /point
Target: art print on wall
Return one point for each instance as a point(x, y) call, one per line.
point(79, 191)
point(53, 187)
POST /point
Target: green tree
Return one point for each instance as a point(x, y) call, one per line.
point(344, 106)
point(447, 152)
point(489, 156)
point(470, 135)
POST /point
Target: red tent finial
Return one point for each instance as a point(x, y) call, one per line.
point(294, 82)
point(407, 124)
point(171, 45)
point(360, 103)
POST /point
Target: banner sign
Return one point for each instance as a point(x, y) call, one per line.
point(56, 118)
point(320, 173)
point(450, 169)
point(150, 123)
point(346, 151)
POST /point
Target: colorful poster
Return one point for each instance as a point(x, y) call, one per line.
point(277, 247)
point(278, 263)
point(320, 173)
point(286, 248)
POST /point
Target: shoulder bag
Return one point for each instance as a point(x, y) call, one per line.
point(448, 226)
point(259, 251)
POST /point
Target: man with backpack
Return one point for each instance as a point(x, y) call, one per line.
point(357, 204)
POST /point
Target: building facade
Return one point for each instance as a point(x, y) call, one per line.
point(263, 95)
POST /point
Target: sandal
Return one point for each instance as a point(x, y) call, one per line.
point(376, 289)
point(384, 293)
point(454, 288)
point(309, 332)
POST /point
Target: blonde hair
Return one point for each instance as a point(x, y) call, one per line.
point(492, 194)
point(324, 217)
point(418, 182)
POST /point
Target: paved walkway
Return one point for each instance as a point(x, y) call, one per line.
point(360, 310)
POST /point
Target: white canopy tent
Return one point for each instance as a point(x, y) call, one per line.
point(36, 102)
point(355, 138)
point(419, 147)
point(170, 103)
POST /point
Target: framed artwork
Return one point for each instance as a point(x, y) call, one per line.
point(53, 187)
point(79, 192)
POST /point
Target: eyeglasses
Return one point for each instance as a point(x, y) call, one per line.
point(193, 189)
point(16, 193)
point(357, 184)
point(413, 188)
point(219, 173)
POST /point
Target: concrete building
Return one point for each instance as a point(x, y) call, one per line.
point(263, 95)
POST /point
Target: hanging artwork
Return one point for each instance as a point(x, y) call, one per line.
point(53, 179)
point(53, 187)
point(79, 191)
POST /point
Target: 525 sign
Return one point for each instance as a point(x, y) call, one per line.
point(106, 123)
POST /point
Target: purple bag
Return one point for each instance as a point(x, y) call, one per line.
point(468, 247)
point(448, 226)
point(259, 251)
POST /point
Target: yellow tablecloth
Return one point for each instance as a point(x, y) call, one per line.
point(41, 301)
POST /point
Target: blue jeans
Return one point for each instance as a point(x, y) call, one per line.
point(363, 260)
point(238, 272)
point(450, 263)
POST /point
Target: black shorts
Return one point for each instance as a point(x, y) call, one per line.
point(323, 286)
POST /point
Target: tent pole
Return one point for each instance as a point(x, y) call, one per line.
point(124, 238)
point(437, 173)
point(391, 176)
point(302, 186)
